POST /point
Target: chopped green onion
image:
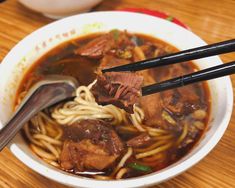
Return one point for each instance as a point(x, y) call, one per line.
point(139, 167)
point(170, 18)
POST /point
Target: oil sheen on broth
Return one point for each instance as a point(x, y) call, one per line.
point(105, 142)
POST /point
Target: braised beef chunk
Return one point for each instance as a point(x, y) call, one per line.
point(66, 157)
point(99, 132)
point(119, 89)
point(139, 141)
point(90, 144)
point(176, 99)
point(152, 110)
point(114, 42)
point(85, 155)
point(170, 101)
point(109, 61)
point(97, 47)
point(180, 101)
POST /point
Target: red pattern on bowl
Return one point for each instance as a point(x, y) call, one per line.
point(158, 14)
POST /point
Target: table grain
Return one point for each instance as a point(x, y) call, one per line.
point(212, 20)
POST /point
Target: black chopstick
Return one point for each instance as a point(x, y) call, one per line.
point(186, 55)
point(206, 74)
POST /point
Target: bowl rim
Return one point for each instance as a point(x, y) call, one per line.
point(150, 179)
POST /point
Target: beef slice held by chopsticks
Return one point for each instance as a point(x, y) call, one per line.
point(122, 89)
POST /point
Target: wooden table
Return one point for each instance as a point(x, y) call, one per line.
point(211, 20)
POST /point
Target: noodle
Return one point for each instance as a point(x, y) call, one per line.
point(153, 158)
point(85, 107)
point(165, 137)
point(123, 160)
point(154, 134)
point(159, 143)
point(53, 163)
point(59, 135)
point(183, 135)
point(31, 139)
point(137, 118)
point(139, 53)
point(49, 120)
point(41, 124)
point(42, 153)
point(121, 173)
point(47, 138)
point(40, 136)
point(156, 130)
point(154, 151)
point(127, 128)
point(38, 124)
point(51, 149)
point(100, 177)
point(125, 157)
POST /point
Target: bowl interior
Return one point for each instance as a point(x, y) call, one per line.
point(24, 54)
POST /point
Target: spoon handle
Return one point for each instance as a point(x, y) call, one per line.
point(42, 95)
point(22, 115)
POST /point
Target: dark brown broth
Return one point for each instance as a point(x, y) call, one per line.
point(83, 68)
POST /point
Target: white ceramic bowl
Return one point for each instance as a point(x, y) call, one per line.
point(24, 54)
point(60, 8)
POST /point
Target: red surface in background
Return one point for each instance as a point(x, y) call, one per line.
point(157, 14)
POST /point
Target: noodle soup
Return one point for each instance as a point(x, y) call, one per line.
point(103, 141)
